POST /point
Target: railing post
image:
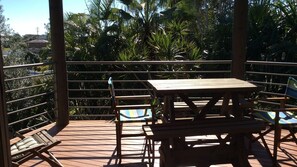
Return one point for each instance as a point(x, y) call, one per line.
point(239, 37)
point(58, 50)
point(5, 156)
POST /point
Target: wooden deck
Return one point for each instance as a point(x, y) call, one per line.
point(92, 143)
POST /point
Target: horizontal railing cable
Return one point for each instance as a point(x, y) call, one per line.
point(27, 108)
point(27, 118)
point(29, 97)
point(23, 88)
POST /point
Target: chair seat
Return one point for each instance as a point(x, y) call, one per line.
point(22, 146)
point(286, 118)
point(131, 115)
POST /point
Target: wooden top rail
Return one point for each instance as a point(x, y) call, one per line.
point(210, 126)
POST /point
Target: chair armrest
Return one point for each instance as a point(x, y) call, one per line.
point(275, 98)
point(285, 109)
point(277, 110)
point(139, 106)
point(23, 131)
point(134, 97)
point(270, 99)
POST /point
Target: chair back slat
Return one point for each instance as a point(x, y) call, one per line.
point(112, 96)
point(291, 89)
point(111, 87)
point(111, 90)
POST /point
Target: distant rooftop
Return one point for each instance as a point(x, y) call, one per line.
point(37, 43)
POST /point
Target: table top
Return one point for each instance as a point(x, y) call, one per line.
point(216, 85)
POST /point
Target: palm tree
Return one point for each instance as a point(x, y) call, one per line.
point(92, 37)
point(142, 18)
point(285, 14)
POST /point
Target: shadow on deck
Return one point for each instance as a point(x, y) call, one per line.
point(93, 143)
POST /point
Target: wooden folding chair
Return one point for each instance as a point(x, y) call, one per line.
point(280, 118)
point(131, 109)
point(34, 145)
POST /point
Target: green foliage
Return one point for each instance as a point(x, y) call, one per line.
point(135, 30)
point(272, 31)
point(133, 53)
point(272, 37)
point(26, 95)
point(167, 47)
point(179, 30)
point(286, 17)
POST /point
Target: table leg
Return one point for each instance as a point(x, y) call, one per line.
point(239, 139)
point(165, 156)
point(236, 109)
point(242, 160)
point(225, 110)
point(169, 108)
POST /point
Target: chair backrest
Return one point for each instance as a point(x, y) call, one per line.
point(111, 87)
point(112, 92)
point(291, 89)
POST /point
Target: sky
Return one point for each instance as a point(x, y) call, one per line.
point(29, 16)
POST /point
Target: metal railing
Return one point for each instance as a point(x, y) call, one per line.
point(272, 77)
point(30, 91)
point(29, 94)
point(87, 81)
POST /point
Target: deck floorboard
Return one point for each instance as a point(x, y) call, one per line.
point(92, 143)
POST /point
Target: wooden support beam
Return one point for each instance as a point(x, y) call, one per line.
point(59, 58)
point(239, 37)
point(5, 156)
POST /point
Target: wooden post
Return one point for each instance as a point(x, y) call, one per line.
point(239, 37)
point(58, 50)
point(5, 155)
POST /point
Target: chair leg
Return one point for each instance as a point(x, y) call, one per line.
point(293, 136)
point(54, 158)
point(151, 152)
point(266, 146)
point(261, 136)
point(15, 164)
point(289, 137)
point(119, 143)
point(54, 162)
point(276, 144)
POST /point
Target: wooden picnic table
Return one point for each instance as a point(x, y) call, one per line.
point(218, 88)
